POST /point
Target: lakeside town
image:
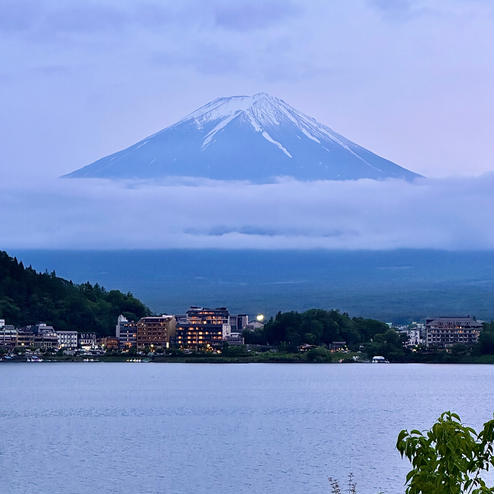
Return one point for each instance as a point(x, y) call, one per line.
point(216, 332)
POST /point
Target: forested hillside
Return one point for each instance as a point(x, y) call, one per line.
point(28, 297)
point(317, 326)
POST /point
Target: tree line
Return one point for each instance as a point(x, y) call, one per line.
point(289, 330)
point(316, 327)
point(28, 297)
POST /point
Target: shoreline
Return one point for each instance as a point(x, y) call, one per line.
point(211, 360)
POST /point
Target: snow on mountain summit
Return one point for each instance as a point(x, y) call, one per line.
point(256, 138)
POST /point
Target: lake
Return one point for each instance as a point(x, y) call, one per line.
point(219, 428)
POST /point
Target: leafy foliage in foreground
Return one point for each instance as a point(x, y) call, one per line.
point(448, 459)
point(28, 297)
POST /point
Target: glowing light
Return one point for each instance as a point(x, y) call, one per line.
point(260, 317)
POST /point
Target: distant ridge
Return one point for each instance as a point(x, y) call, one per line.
point(256, 138)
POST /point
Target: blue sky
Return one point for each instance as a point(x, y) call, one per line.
point(410, 80)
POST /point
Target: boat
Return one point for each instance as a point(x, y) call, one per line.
point(379, 359)
point(33, 358)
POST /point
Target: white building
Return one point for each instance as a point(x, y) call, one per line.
point(253, 325)
point(67, 339)
point(126, 332)
point(414, 337)
point(8, 336)
point(121, 320)
point(87, 341)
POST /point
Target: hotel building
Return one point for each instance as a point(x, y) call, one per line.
point(126, 332)
point(203, 327)
point(444, 332)
point(155, 331)
point(67, 339)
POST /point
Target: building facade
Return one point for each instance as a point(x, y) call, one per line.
point(235, 339)
point(155, 331)
point(67, 340)
point(8, 336)
point(126, 332)
point(203, 328)
point(444, 332)
point(47, 340)
point(239, 322)
point(109, 343)
point(25, 338)
point(87, 341)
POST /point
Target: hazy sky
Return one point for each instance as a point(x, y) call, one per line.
point(411, 80)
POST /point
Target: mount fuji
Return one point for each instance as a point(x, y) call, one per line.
point(255, 138)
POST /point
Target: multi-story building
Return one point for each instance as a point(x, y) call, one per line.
point(203, 327)
point(25, 338)
point(155, 331)
point(46, 340)
point(414, 337)
point(67, 340)
point(41, 335)
point(87, 341)
point(109, 343)
point(238, 322)
point(445, 331)
point(41, 328)
point(126, 332)
point(8, 335)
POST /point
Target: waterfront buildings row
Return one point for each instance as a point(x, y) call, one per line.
point(206, 328)
point(45, 337)
point(199, 327)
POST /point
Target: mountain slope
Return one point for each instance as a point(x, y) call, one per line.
point(28, 297)
point(256, 138)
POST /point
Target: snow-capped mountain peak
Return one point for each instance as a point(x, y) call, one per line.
point(261, 112)
point(256, 138)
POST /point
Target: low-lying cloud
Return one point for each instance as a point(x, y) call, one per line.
point(455, 213)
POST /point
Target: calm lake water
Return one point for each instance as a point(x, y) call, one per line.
point(255, 428)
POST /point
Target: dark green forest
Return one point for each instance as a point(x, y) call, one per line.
point(29, 297)
point(316, 327)
point(320, 327)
